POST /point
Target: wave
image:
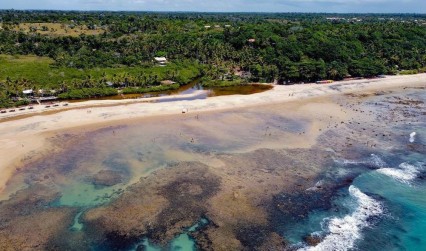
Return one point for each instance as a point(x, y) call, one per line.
point(405, 173)
point(373, 161)
point(412, 137)
point(343, 232)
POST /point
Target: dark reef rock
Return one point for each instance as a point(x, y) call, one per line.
point(253, 236)
point(312, 239)
point(28, 223)
point(158, 206)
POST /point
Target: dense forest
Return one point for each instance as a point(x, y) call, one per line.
point(89, 49)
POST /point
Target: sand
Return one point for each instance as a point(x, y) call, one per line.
point(25, 132)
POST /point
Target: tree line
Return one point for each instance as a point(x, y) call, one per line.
point(285, 47)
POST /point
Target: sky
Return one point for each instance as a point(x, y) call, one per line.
point(338, 6)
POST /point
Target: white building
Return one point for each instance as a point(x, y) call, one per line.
point(161, 60)
point(27, 92)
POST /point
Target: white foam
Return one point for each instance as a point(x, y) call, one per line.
point(377, 161)
point(343, 232)
point(405, 173)
point(374, 161)
point(412, 137)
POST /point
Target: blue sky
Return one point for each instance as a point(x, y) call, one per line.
point(364, 6)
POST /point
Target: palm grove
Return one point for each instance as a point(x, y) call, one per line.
point(289, 48)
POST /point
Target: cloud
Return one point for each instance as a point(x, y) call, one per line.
point(387, 6)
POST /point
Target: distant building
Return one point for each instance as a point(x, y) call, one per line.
point(251, 40)
point(217, 26)
point(28, 92)
point(162, 61)
point(227, 25)
point(207, 26)
point(335, 18)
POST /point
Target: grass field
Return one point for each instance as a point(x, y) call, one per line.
point(42, 73)
point(58, 29)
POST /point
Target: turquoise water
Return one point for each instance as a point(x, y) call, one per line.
point(401, 187)
point(386, 212)
point(389, 212)
point(405, 223)
point(182, 242)
point(77, 226)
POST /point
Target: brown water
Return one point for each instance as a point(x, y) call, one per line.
point(190, 89)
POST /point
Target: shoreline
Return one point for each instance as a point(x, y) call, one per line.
point(337, 86)
point(22, 136)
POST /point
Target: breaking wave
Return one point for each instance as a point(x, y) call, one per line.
point(341, 233)
point(405, 173)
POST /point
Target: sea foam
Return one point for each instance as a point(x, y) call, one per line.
point(373, 161)
point(412, 137)
point(343, 232)
point(405, 173)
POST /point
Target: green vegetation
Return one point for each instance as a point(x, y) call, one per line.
point(160, 88)
point(65, 51)
point(88, 93)
point(71, 83)
point(411, 72)
point(41, 72)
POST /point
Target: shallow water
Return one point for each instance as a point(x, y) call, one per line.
point(258, 178)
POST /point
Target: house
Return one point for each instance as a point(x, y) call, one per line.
point(162, 61)
point(217, 26)
point(227, 26)
point(207, 26)
point(27, 92)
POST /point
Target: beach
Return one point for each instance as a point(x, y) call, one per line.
point(25, 133)
point(290, 167)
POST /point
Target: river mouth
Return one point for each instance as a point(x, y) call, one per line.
point(191, 91)
point(272, 177)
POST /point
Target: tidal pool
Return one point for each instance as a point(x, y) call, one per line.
point(297, 175)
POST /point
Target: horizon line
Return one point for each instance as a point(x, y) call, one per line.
point(219, 12)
